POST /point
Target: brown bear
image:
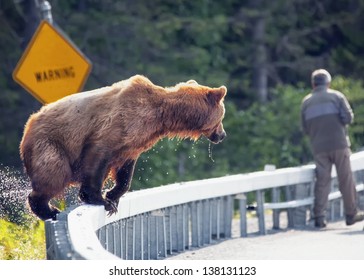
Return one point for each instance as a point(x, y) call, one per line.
point(87, 136)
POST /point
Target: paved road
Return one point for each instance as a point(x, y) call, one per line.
point(336, 242)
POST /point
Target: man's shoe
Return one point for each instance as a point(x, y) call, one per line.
point(358, 217)
point(320, 222)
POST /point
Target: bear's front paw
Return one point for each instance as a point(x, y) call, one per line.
point(111, 207)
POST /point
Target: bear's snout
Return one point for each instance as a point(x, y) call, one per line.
point(217, 137)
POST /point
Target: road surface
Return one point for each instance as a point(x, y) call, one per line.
point(336, 242)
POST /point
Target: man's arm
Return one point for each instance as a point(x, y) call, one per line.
point(346, 113)
point(303, 121)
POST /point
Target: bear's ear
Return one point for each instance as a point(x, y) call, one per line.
point(215, 95)
point(192, 82)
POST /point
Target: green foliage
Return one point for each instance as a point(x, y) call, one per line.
point(268, 133)
point(354, 91)
point(19, 242)
point(212, 42)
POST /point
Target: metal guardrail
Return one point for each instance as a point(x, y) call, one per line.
point(153, 223)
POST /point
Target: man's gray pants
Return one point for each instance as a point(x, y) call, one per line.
point(324, 162)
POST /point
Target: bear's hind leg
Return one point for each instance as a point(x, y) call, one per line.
point(50, 174)
point(40, 206)
point(124, 176)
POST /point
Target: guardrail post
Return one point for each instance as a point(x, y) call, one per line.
point(206, 222)
point(168, 221)
point(117, 239)
point(242, 211)
point(194, 224)
point(300, 213)
point(290, 214)
point(170, 215)
point(215, 218)
point(146, 236)
point(160, 249)
point(180, 221)
point(109, 238)
point(131, 238)
point(228, 212)
point(276, 193)
point(123, 242)
point(153, 241)
point(138, 238)
point(260, 211)
point(184, 226)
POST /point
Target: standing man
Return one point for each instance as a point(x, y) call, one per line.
point(325, 113)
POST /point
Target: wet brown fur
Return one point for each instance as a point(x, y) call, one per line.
point(85, 136)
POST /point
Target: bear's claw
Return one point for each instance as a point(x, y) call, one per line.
point(111, 207)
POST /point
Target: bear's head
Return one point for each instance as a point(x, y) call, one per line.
point(208, 110)
point(214, 129)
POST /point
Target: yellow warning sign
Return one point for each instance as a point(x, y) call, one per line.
point(51, 66)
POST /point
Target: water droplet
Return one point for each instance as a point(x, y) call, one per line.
point(210, 152)
point(14, 190)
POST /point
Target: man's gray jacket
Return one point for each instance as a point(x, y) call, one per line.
point(325, 113)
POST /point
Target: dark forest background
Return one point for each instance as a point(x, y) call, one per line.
point(263, 51)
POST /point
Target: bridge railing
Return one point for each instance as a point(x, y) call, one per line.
point(157, 222)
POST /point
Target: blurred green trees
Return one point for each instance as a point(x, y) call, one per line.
point(263, 51)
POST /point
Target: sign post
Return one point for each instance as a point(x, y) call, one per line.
point(51, 67)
